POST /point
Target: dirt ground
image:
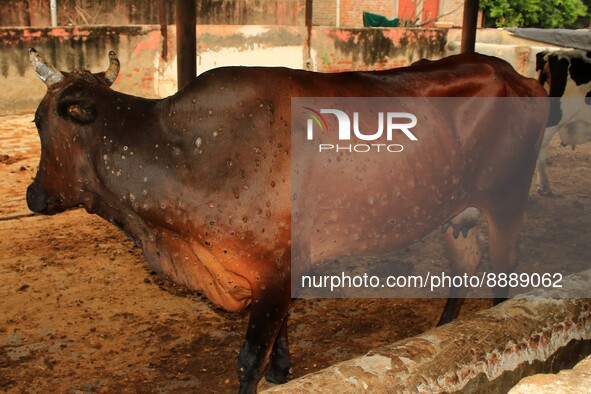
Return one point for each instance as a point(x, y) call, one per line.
point(81, 312)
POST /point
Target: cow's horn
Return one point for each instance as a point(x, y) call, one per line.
point(113, 70)
point(48, 74)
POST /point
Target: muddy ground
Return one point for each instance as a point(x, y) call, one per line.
point(80, 311)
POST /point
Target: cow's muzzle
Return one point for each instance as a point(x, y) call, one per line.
point(37, 199)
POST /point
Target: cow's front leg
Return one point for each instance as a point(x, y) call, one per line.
point(268, 312)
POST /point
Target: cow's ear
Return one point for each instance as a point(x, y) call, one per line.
point(81, 110)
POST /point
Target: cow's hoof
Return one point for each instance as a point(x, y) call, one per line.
point(542, 191)
point(276, 375)
point(547, 192)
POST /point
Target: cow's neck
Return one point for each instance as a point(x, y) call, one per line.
point(122, 162)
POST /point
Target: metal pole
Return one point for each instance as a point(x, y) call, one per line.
point(469, 26)
point(163, 18)
point(186, 41)
point(53, 10)
point(308, 48)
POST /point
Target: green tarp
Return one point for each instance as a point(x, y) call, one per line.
point(375, 20)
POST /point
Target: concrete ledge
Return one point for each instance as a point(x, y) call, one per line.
point(489, 352)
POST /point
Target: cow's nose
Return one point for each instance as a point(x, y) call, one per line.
point(36, 198)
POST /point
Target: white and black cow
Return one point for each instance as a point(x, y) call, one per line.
point(565, 74)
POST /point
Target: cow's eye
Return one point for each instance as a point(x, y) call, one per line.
point(81, 110)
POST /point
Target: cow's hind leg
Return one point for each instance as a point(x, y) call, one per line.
point(268, 312)
point(543, 182)
point(465, 255)
point(280, 361)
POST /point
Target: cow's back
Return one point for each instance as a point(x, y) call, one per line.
point(254, 129)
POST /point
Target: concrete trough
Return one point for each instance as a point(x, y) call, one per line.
point(569, 381)
point(489, 352)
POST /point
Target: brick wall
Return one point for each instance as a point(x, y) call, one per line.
point(324, 13)
point(134, 12)
point(456, 7)
point(351, 11)
point(221, 12)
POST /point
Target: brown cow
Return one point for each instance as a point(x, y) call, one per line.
point(201, 180)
